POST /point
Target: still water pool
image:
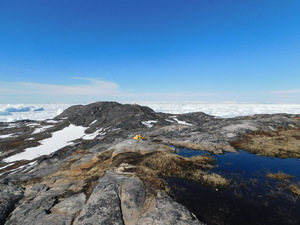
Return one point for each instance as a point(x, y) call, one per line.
point(251, 197)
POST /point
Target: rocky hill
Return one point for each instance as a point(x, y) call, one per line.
point(85, 167)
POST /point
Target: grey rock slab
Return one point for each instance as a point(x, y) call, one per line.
point(70, 205)
point(34, 208)
point(52, 219)
point(116, 199)
point(169, 212)
point(9, 196)
point(103, 206)
point(32, 191)
point(140, 146)
point(132, 195)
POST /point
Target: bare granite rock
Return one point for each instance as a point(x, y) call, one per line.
point(9, 196)
point(70, 205)
point(104, 204)
point(139, 146)
point(168, 212)
point(132, 196)
point(35, 206)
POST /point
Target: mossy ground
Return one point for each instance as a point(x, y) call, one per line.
point(287, 183)
point(280, 176)
point(152, 169)
point(282, 143)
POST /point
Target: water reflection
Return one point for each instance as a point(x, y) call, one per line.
point(251, 198)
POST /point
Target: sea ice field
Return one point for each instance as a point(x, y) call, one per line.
point(14, 112)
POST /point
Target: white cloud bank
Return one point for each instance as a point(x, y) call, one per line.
point(94, 88)
point(293, 91)
point(90, 89)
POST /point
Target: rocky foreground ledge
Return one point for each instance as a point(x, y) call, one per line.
point(104, 176)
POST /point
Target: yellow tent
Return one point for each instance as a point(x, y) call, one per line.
point(139, 137)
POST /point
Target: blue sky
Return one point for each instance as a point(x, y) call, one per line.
point(154, 50)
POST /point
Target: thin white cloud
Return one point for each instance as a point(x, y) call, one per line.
point(174, 95)
point(94, 87)
point(91, 89)
point(292, 91)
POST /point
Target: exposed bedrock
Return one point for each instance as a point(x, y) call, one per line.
point(107, 177)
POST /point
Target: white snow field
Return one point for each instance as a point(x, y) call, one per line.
point(216, 109)
point(224, 110)
point(58, 140)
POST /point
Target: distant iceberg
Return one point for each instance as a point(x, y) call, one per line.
point(5, 113)
point(30, 111)
point(23, 109)
point(39, 110)
point(19, 109)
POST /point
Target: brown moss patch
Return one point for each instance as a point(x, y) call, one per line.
point(7, 145)
point(83, 169)
point(215, 180)
point(280, 176)
point(154, 167)
point(295, 188)
point(283, 143)
point(85, 174)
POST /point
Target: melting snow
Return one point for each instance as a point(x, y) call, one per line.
point(53, 121)
point(91, 136)
point(1, 168)
point(7, 136)
point(180, 121)
point(27, 166)
point(149, 123)
point(170, 121)
point(41, 129)
point(93, 122)
point(58, 140)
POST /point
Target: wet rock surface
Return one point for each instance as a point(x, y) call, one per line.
point(95, 179)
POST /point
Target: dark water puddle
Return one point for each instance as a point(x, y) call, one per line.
point(251, 198)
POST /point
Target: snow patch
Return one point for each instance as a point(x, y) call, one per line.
point(1, 168)
point(93, 122)
point(41, 129)
point(33, 124)
point(27, 166)
point(92, 136)
point(170, 121)
point(7, 136)
point(52, 121)
point(149, 123)
point(180, 121)
point(58, 140)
